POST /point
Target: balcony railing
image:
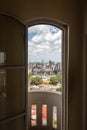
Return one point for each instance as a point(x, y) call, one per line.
point(44, 110)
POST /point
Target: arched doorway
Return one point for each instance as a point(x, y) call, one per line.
point(47, 59)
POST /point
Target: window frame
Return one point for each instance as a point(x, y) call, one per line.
point(65, 62)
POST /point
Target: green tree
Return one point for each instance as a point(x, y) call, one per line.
point(59, 89)
point(54, 80)
point(35, 80)
point(59, 77)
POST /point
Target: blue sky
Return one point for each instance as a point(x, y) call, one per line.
point(44, 43)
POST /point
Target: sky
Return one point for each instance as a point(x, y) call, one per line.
point(44, 43)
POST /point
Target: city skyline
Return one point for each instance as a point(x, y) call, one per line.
point(42, 61)
point(44, 43)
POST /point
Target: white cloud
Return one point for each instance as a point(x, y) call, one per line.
point(43, 47)
point(37, 38)
point(39, 29)
point(45, 43)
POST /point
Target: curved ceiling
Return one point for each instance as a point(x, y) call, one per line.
point(27, 9)
point(15, 8)
point(23, 9)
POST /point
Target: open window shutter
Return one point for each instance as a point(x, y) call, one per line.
point(12, 74)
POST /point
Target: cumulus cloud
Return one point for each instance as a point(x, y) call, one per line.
point(39, 29)
point(44, 42)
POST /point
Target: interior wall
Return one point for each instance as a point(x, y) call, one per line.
point(69, 12)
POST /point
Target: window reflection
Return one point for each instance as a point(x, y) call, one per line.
point(2, 58)
point(11, 92)
point(2, 93)
point(2, 83)
point(16, 124)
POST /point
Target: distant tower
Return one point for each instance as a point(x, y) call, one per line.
point(42, 62)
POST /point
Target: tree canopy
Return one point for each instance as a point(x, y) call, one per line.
point(35, 80)
point(56, 79)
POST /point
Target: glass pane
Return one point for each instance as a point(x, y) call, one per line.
point(44, 115)
point(33, 115)
point(2, 58)
point(3, 93)
point(17, 124)
point(12, 43)
point(11, 92)
point(45, 58)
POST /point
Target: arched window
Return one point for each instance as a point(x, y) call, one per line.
point(48, 74)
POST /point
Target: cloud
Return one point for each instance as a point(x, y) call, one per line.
point(39, 29)
point(44, 43)
point(46, 36)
